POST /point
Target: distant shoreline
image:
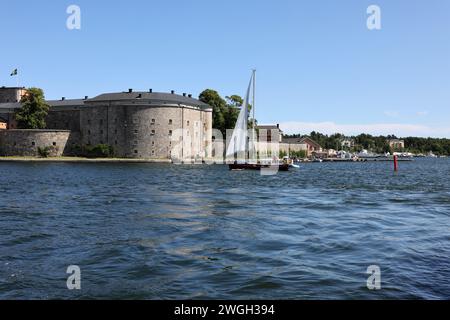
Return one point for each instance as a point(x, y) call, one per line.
point(160, 161)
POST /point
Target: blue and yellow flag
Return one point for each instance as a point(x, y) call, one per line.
point(14, 73)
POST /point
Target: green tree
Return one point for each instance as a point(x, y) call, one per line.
point(219, 106)
point(235, 101)
point(231, 114)
point(225, 111)
point(34, 110)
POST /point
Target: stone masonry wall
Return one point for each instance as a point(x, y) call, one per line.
point(143, 131)
point(11, 94)
point(27, 142)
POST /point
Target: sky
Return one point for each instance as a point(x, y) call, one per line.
point(318, 65)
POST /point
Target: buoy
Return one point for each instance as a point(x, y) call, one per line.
point(395, 163)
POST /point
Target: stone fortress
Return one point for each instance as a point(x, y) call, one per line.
point(146, 125)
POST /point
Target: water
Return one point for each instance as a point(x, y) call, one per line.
point(146, 231)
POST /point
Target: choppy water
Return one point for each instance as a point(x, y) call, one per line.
point(143, 231)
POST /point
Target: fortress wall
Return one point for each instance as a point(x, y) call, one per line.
point(27, 142)
point(11, 95)
point(143, 131)
point(63, 119)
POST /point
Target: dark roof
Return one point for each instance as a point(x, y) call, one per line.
point(66, 102)
point(268, 127)
point(308, 140)
point(52, 103)
point(292, 140)
point(3, 87)
point(122, 96)
point(154, 96)
point(304, 140)
point(10, 105)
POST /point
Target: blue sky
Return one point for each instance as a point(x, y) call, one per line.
point(319, 67)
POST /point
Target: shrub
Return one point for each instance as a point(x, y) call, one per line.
point(99, 151)
point(44, 152)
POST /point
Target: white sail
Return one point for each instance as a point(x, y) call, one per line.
point(237, 148)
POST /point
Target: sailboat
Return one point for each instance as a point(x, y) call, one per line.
point(242, 147)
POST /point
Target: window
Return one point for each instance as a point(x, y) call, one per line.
point(153, 152)
point(101, 131)
point(101, 122)
point(89, 131)
point(115, 142)
point(153, 121)
point(135, 142)
point(33, 143)
point(170, 133)
point(135, 151)
point(54, 143)
point(135, 131)
point(153, 132)
point(153, 143)
point(115, 131)
point(89, 121)
point(170, 121)
point(188, 123)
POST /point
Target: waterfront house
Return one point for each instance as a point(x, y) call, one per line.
point(396, 144)
point(3, 124)
point(270, 133)
point(347, 143)
point(303, 144)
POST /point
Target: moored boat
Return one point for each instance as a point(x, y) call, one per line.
point(258, 166)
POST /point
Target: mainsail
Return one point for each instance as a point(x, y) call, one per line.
point(238, 148)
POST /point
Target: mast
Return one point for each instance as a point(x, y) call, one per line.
point(254, 97)
point(253, 135)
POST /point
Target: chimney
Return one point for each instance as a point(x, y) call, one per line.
point(130, 90)
point(151, 90)
point(86, 97)
point(190, 95)
point(139, 96)
point(184, 94)
point(173, 92)
point(278, 126)
point(63, 98)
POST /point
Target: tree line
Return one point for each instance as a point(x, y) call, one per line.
point(379, 144)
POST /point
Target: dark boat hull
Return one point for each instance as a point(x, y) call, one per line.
point(248, 166)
